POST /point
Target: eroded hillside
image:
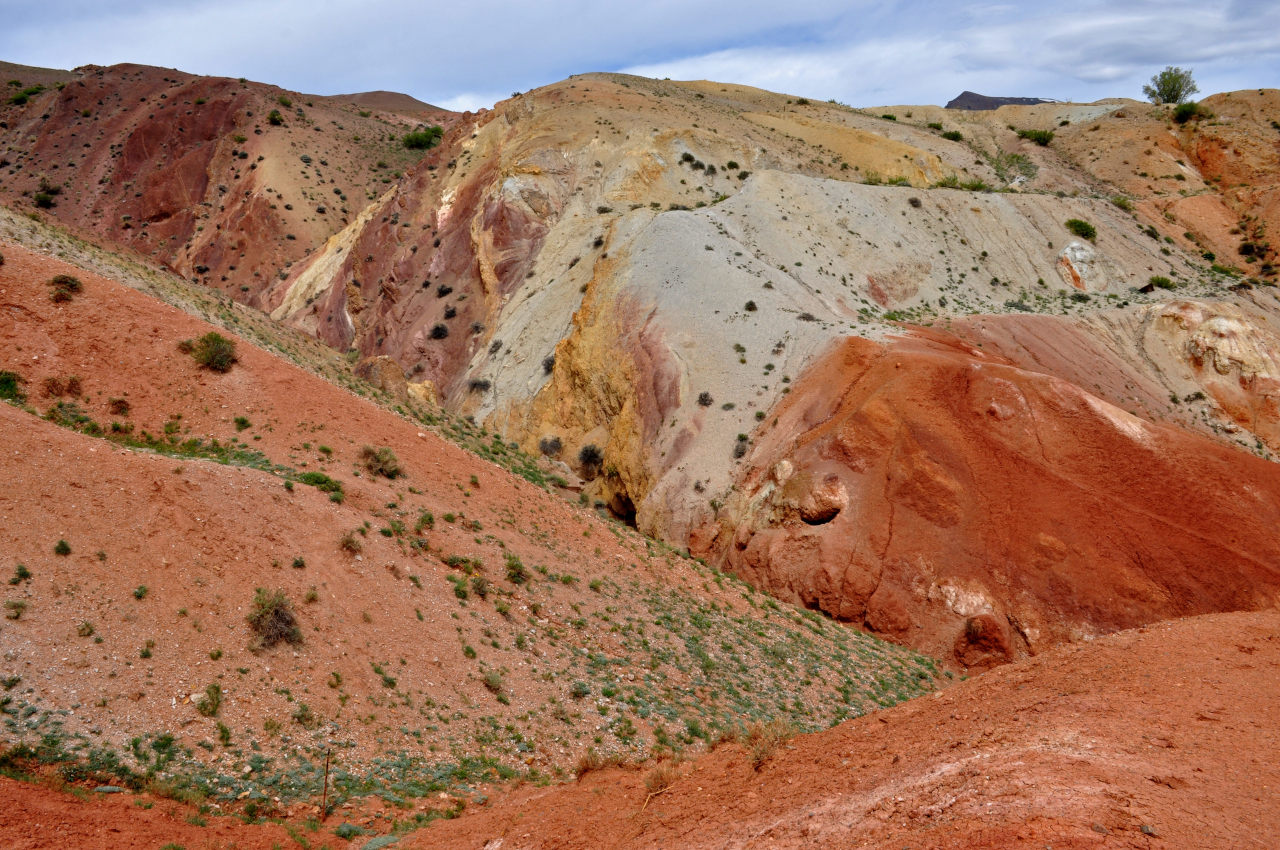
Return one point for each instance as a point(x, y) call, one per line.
point(455, 623)
point(629, 277)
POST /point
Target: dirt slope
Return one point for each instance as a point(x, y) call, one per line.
point(1120, 742)
point(455, 614)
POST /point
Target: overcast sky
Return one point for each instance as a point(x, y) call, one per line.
point(467, 54)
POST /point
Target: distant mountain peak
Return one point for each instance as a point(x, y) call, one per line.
point(977, 102)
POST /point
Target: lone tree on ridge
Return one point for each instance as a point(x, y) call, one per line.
point(1172, 85)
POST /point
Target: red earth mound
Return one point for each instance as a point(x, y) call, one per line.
point(965, 506)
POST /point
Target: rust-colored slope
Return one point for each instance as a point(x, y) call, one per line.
point(1123, 742)
point(955, 502)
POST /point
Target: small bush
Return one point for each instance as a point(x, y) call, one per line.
point(590, 456)
point(548, 364)
point(140, 592)
point(421, 140)
point(439, 331)
point(381, 461)
point(20, 574)
point(953, 135)
point(1083, 229)
point(10, 387)
point(591, 760)
point(764, 739)
point(62, 287)
point(517, 573)
point(272, 619)
point(213, 351)
point(274, 118)
point(661, 777)
point(209, 704)
point(705, 399)
point(1161, 282)
point(1040, 137)
point(118, 407)
point(14, 609)
point(62, 548)
point(550, 446)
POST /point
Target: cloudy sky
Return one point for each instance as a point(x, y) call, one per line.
point(470, 53)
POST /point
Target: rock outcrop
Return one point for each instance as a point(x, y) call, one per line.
point(951, 500)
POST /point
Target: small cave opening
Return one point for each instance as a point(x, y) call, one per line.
point(820, 515)
point(621, 506)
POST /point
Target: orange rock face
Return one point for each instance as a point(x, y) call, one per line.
point(955, 502)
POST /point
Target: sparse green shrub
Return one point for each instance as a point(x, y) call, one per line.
point(242, 423)
point(1040, 137)
point(1161, 282)
point(213, 351)
point(209, 704)
point(550, 446)
point(517, 573)
point(1081, 228)
point(274, 118)
point(305, 717)
point(20, 574)
point(140, 592)
point(322, 482)
point(1190, 111)
point(14, 608)
point(11, 387)
point(953, 135)
point(271, 619)
point(705, 399)
point(381, 461)
point(421, 140)
point(62, 548)
point(63, 287)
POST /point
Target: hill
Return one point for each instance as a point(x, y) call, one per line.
point(630, 276)
point(167, 525)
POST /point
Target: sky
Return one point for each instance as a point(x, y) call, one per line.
point(468, 54)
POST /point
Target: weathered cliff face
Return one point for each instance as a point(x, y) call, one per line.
point(938, 494)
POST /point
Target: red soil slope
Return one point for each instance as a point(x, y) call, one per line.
point(1123, 742)
point(963, 505)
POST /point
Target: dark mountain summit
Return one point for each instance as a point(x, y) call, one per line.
point(979, 102)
